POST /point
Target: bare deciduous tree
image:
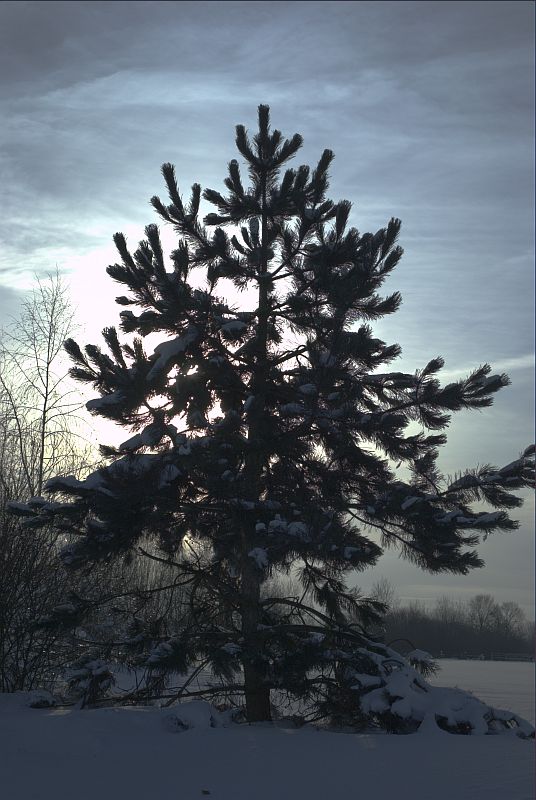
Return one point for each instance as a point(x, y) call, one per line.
point(384, 591)
point(38, 436)
point(482, 611)
point(38, 406)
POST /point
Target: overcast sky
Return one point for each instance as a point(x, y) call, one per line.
point(428, 107)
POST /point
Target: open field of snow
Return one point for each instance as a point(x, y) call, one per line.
point(60, 754)
point(502, 684)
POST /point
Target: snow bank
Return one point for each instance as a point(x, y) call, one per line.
point(58, 754)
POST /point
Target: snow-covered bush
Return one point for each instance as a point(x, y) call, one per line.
point(423, 662)
point(401, 701)
point(89, 679)
point(195, 714)
point(42, 698)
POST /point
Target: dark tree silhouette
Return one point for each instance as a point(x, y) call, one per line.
point(270, 436)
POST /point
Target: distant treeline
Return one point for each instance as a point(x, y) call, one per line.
point(479, 626)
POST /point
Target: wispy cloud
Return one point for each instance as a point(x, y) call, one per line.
point(501, 365)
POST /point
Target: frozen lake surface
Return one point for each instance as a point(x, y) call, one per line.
point(503, 684)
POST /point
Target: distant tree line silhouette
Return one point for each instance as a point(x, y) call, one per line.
point(478, 626)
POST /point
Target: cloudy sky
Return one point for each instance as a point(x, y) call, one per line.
point(428, 107)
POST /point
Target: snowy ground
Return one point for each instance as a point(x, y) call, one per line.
point(502, 684)
point(111, 754)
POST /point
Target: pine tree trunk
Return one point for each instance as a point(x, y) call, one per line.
point(257, 694)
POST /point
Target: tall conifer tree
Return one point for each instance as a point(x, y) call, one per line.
point(273, 436)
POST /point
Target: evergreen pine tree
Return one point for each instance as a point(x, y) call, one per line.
point(271, 436)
